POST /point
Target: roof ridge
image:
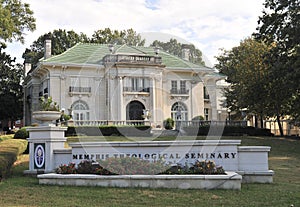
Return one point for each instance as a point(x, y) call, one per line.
point(136, 48)
point(64, 52)
point(121, 46)
point(86, 52)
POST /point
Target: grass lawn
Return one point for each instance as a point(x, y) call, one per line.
point(284, 159)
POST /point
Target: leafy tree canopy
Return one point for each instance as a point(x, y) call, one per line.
point(279, 25)
point(62, 40)
point(175, 48)
point(108, 36)
point(11, 92)
point(15, 18)
point(247, 72)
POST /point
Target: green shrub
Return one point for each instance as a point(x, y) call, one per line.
point(109, 130)
point(205, 167)
point(9, 151)
point(21, 133)
point(198, 118)
point(226, 131)
point(86, 167)
point(136, 166)
point(168, 123)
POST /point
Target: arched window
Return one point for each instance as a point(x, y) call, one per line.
point(179, 111)
point(80, 110)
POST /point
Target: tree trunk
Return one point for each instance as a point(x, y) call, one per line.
point(255, 121)
point(261, 121)
point(5, 126)
point(279, 125)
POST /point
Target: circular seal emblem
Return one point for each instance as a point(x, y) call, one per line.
point(39, 156)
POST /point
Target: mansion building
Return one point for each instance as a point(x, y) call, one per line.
point(120, 82)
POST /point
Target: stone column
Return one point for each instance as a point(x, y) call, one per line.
point(42, 142)
point(121, 110)
point(153, 104)
point(211, 89)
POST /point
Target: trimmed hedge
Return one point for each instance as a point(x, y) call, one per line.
point(9, 151)
point(134, 131)
point(226, 131)
point(21, 133)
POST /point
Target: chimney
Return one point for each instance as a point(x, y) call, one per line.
point(27, 68)
point(47, 47)
point(185, 52)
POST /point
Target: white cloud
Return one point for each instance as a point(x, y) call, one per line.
point(207, 24)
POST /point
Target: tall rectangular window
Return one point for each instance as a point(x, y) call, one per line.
point(206, 114)
point(205, 93)
point(80, 85)
point(182, 87)
point(136, 84)
point(174, 86)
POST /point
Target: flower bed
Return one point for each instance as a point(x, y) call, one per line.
point(136, 166)
point(133, 172)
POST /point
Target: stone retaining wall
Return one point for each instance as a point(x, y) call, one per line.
point(231, 181)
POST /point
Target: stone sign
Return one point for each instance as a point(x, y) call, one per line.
point(222, 152)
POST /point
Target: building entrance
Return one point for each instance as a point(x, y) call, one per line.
point(134, 110)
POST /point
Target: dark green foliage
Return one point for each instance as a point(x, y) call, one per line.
point(226, 131)
point(21, 133)
point(86, 167)
point(279, 26)
point(205, 167)
point(108, 36)
point(11, 93)
point(168, 123)
point(175, 48)
point(61, 41)
point(247, 74)
point(109, 131)
point(9, 151)
point(198, 118)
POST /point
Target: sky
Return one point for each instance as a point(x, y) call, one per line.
point(209, 25)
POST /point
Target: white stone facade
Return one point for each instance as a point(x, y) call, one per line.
point(121, 86)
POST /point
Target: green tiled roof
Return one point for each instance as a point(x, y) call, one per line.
point(86, 53)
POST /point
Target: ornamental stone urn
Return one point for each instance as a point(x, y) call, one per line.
point(46, 117)
point(49, 112)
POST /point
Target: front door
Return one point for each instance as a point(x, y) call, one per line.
point(134, 110)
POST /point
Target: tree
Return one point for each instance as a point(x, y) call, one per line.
point(11, 93)
point(279, 25)
point(108, 36)
point(61, 41)
point(247, 73)
point(175, 48)
point(15, 18)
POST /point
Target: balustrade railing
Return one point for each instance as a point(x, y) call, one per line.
point(138, 89)
point(197, 123)
point(108, 122)
point(179, 91)
point(194, 123)
point(119, 58)
point(73, 89)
